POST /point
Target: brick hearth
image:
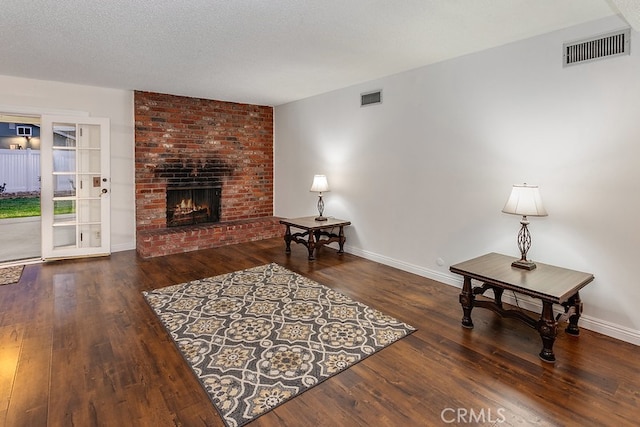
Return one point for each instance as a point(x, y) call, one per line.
point(152, 243)
point(181, 140)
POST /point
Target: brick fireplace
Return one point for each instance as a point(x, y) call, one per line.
point(191, 145)
point(192, 205)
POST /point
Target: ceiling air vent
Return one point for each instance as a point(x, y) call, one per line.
point(371, 98)
point(599, 47)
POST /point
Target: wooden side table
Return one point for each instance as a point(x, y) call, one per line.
point(316, 233)
point(553, 285)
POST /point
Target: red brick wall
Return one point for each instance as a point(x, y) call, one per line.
point(180, 138)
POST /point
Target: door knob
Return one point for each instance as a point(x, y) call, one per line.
point(104, 190)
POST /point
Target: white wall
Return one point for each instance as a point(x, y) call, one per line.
point(425, 174)
point(45, 97)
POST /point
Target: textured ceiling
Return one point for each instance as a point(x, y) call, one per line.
point(266, 52)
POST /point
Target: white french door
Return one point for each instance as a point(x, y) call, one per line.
point(75, 186)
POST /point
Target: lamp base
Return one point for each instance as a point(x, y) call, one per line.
point(524, 264)
point(321, 218)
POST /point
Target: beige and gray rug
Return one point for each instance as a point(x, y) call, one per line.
point(258, 337)
point(10, 275)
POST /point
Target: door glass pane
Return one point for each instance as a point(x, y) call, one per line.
point(64, 135)
point(64, 236)
point(89, 236)
point(89, 185)
point(64, 161)
point(64, 185)
point(64, 211)
point(89, 136)
point(89, 160)
point(88, 211)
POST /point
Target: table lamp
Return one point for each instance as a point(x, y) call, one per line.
point(319, 185)
point(524, 200)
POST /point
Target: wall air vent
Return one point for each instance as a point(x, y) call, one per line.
point(371, 98)
point(599, 47)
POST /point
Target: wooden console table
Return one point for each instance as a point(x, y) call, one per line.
point(314, 233)
point(553, 285)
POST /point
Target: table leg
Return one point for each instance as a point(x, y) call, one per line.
point(318, 244)
point(287, 240)
point(573, 329)
point(466, 300)
point(497, 294)
point(548, 328)
point(341, 240)
point(311, 246)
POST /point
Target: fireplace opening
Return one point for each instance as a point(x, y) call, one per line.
point(193, 205)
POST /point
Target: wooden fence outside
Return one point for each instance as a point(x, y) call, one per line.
point(20, 170)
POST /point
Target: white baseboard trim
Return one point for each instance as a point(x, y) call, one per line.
point(405, 266)
point(587, 322)
point(123, 247)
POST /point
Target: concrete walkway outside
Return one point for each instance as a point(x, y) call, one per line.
point(19, 238)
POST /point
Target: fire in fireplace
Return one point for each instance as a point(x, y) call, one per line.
point(193, 205)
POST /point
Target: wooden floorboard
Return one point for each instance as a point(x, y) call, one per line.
point(79, 346)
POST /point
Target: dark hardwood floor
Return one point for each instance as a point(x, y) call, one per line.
point(80, 347)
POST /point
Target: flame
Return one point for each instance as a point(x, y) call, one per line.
point(186, 206)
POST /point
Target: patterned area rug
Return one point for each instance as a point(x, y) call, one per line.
point(258, 337)
point(10, 275)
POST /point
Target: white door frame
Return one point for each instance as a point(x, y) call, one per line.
point(87, 232)
point(39, 111)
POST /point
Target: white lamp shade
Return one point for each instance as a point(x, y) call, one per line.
point(320, 184)
point(525, 200)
